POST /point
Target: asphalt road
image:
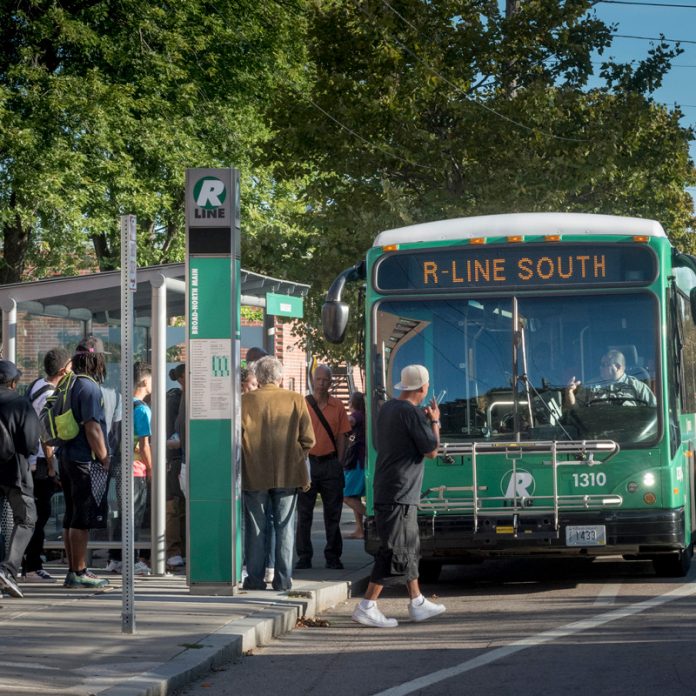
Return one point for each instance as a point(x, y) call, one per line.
point(512, 627)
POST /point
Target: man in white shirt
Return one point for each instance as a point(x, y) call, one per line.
point(43, 465)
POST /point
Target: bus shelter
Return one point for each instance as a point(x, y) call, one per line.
point(39, 315)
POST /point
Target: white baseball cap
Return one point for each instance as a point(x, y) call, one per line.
point(413, 377)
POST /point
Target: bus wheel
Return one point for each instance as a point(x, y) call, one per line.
point(429, 571)
point(673, 565)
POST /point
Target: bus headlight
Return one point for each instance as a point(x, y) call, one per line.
point(649, 479)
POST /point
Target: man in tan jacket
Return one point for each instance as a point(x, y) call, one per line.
point(277, 434)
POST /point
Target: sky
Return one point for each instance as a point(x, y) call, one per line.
point(652, 20)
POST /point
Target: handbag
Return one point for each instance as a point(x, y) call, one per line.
point(350, 454)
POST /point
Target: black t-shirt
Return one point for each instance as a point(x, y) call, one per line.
point(403, 437)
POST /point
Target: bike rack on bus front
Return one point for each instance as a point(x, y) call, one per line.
point(584, 450)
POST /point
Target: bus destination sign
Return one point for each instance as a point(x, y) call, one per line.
point(519, 266)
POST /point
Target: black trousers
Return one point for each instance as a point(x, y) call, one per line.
point(44, 488)
point(24, 516)
point(327, 481)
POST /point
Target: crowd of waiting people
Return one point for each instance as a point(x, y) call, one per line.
point(294, 449)
point(82, 467)
point(277, 523)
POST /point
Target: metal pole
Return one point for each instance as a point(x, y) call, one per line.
point(159, 420)
point(9, 330)
point(128, 288)
point(515, 368)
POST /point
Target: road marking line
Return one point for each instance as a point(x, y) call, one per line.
point(19, 687)
point(540, 639)
point(30, 666)
point(607, 595)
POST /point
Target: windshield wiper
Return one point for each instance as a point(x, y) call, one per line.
point(519, 349)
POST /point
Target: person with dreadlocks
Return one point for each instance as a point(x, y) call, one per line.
point(84, 461)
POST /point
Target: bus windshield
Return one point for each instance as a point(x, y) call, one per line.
point(585, 366)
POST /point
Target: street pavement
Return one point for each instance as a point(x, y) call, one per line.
point(70, 642)
point(520, 627)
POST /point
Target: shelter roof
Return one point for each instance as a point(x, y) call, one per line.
point(98, 295)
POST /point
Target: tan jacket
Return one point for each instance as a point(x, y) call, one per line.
point(276, 436)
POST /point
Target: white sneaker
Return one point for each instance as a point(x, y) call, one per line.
point(425, 611)
point(113, 566)
point(373, 617)
point(40, 575)
point(175, 562)
point(270, 574)
point(142, 568)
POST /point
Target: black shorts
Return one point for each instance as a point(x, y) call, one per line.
point(399, 550)
point(77, 491)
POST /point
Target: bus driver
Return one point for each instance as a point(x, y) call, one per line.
point(614, 385)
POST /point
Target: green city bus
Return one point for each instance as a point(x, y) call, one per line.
point(507, 312)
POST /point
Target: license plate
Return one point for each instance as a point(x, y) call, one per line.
point(593, 535)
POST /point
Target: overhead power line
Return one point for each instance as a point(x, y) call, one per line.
point(372, 145)
point(673, 65)
point(468, 97)
point(646, 4)
point(652, 38)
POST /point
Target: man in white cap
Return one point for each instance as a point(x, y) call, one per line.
point(405, 435)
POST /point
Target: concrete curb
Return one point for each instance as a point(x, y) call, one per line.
point(234, 639)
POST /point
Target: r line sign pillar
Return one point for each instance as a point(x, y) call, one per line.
point(213, 440)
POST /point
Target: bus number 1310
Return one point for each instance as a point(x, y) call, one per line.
point(591, 479)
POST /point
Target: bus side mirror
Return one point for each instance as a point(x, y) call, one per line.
point(692, 302)
point(334, 320)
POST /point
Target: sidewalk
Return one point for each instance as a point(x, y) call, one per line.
point(61, 641)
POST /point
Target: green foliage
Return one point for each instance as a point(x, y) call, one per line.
point(346, 117)
point(424, 111)
point(104, 104)
point(251, 313)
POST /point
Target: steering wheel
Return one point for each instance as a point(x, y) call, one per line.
point(617, 400)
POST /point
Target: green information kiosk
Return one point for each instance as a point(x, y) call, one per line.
point(213, 449)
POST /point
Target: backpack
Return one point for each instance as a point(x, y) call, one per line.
point(33, 397)
point(58, 424)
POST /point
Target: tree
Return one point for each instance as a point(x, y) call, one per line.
point(104, 104)
point(422, 111)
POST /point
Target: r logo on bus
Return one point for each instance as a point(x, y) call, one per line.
point(521, 485)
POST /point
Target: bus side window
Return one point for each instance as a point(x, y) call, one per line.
point(688, 356)
point(675, 371)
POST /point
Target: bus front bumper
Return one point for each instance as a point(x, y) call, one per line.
point(452, 538)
